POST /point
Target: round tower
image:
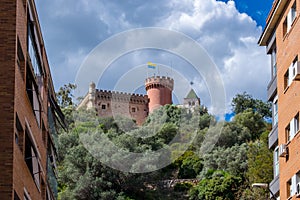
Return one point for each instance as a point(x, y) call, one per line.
point(159, 91)
point(92, 95)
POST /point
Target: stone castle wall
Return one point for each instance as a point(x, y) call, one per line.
point(136, 106)
point(110, 103)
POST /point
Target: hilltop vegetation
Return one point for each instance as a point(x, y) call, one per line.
point(239, 157)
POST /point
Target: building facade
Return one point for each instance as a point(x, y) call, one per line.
point(191, 100)
point(281, 37)
point(30, 115)
point(113, 104)
point(136, 106)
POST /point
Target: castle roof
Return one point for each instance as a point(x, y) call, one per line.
point(192, 95)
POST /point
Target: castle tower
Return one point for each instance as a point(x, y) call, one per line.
point(92, 96)
point(191, 100)
point(159, 91)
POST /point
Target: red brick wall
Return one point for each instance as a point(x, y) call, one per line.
point(288, 47)
point(14, 173)
point(7, 82)
point(159, 91)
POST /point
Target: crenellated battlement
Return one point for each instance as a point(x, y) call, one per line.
point(159, 81)
point(121, 96)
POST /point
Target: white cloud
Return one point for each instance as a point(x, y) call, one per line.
point(230, 37)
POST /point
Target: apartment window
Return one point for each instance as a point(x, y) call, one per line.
point(285, 27)
point(273, 61)
point(291, 185)
point(31, 159)
point(276, 161)
point(16, 197)
point(44, 132)
point(297, 180)
point(292, 129)
point(33, 48)
point(288, 133)
point(20, 58)
point(293, 13)
point(288, 22)
point(287, 80)
point(19, 133)
point(33, 96)
point(34, 51)
point(275, 111)
point(294, 69)
point(289, 188)
point(296, 123)
point(26, 196)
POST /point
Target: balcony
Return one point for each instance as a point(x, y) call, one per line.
point(273, 136)
point(272, 88)
point(52, 178)
point(274, 185)
point(52, 127)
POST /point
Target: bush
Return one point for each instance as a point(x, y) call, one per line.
point(182, 187)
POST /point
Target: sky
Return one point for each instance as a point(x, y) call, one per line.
point(228, 31)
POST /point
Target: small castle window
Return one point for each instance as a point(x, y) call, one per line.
point(103, 106)
point(132, 109)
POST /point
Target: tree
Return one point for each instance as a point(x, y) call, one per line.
point(217, 185)
point(65, 95)
point(190, 166)
point(226, 171)
point(232, 160)
point(242, 102)
point(251, 120)
point(81, 176)
point(260, 161)
point(233, 133)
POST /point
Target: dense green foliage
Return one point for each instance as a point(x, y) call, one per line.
point(216, 185)
point(239, 158)
point(242, 102)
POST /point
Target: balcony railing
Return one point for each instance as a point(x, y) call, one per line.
point(51, 177)
point(52, 127)
point(272, 87)
point(274, 185)
point(273, 136)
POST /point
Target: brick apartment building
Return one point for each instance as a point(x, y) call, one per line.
point(281, 37)
point(29, 113)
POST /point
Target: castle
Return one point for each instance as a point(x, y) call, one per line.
point(136, 106)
